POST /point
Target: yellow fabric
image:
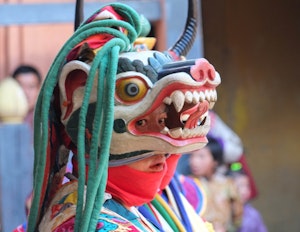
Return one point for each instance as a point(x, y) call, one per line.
point(209, 227)
point(72, 198)
point(201, 213)
point(170, 212)
point(198, 225)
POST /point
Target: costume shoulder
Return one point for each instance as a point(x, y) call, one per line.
point(60, 215)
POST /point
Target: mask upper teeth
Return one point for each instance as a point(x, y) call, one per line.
point(196, 97)
point(188, 97)
point(167, 100)
point(202, 96)
point(207, 95)
point(178, 98)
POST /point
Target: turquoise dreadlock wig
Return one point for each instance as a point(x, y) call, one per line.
point(98, 41)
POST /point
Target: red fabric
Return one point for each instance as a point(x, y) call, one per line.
point(66, 226)
point(20, 228)
point(133, 187)
point(248, 172)
point(94, 41)
point(106, 8)
point(171, 164)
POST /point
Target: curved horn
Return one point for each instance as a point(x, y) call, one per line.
point(78, 14)
point(187, 38)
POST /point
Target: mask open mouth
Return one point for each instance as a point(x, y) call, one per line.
point(179, 116)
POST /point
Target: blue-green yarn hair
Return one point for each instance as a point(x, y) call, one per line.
point(105, 65)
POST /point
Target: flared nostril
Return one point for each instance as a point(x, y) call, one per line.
point(202, 70)
point(211, 73)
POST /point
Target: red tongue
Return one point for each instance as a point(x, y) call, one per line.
point(195, 114)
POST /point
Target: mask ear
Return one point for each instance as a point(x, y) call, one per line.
point(72, 83)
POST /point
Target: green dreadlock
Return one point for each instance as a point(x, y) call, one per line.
point(105, 65)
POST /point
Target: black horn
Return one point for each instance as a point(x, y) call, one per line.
point(186, 40)
point(78, 14)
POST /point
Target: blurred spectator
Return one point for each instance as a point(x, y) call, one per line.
point(233, 150)
point(252, 220)
point(224, 208)
point(231, 142)
point(30, 80)
point(232, 147)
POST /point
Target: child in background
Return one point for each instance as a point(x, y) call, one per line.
point(252, 220)
point(224, 208)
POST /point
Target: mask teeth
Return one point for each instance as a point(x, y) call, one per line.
point(201, 129)
point(179, 98)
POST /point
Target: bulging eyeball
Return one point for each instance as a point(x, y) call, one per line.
point(130, 90)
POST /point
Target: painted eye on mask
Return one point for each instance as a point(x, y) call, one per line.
point(130, 90)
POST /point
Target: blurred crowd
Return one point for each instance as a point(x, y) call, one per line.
point(221, 171)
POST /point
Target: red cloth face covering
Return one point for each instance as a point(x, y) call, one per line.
point(133, 187)
point(171, 164)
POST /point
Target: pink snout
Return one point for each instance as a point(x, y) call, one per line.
point(203, 70)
